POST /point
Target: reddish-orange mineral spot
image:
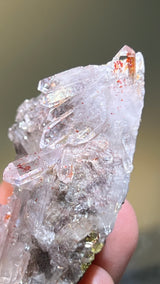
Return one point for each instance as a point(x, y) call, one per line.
point(70, 175)
point(7, 217)
point(131, 63)
point(118, 65)
point(24, 168)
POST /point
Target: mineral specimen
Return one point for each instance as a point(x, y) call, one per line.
point(75, 144)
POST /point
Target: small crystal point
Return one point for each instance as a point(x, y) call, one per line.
point(125, 51)
point(75, 144)
point(125, 61)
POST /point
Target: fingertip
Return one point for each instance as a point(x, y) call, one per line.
point(96, 275)
point(120, 244)
point(128, 219)
point(6, 190)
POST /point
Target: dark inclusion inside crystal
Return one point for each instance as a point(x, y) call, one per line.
point(39, 261)
point(123, 57)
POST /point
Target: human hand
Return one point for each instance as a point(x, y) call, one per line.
point(111, 262)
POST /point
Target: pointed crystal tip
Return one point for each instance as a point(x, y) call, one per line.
point(126, 51)
point(125, 60)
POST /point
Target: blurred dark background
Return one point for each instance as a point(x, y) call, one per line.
point(40, 38)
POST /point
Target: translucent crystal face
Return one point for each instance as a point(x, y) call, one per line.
point(75, 144)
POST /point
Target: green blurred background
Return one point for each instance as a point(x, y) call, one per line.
point(41, 37)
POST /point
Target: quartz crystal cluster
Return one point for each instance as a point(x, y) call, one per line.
point(75, 144)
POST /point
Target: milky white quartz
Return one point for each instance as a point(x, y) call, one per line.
point(75, 144)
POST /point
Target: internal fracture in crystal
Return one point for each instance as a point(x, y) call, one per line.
point(75, 144)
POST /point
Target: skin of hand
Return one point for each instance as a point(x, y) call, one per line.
point(110, 264)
